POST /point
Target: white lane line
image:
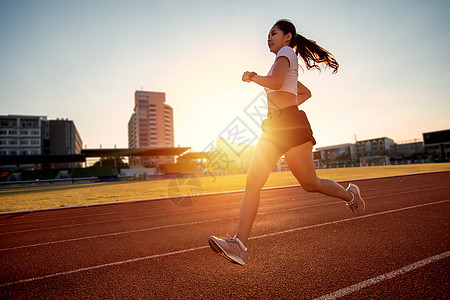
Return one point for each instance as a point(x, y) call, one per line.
point(265, 201)
point(140, 218)
point(102, 266)
point(204, 210)
point(207, 221)
point(107, 221)
point(375, 280)
point(348, 219)
point(155, 228)
point(110, 234)
point(205, 247)
point(120, 219)
point(149, 200)
point(408, 192)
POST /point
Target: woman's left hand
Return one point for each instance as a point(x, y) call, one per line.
point(246, 76)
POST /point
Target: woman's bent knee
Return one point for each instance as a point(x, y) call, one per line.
point(310, 186)
point(254, 182)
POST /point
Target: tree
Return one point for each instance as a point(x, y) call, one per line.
point(111, 162)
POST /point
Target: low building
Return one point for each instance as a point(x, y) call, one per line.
point(437, 144)
point(22, 135)
point(63, 139)
point(373, 147)
point(407, 150)
point(36, 135)
point(336, 154)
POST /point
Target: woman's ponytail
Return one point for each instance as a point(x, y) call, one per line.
point(311, 53)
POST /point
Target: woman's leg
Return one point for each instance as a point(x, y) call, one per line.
point(263, 159)
point(301, 163)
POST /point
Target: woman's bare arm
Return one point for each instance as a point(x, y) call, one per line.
point(303, 93)
point(274, 81)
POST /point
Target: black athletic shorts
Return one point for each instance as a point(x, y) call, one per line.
point(287, 128)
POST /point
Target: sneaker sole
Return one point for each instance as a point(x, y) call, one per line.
point(216, 248)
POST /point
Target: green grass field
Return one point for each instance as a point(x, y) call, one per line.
point(69, 195)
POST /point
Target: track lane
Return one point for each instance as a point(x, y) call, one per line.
point(55, 234)
point(313, 226)
point(109, 250)
point(122, 212)
point(146, 207)
point(185, 269)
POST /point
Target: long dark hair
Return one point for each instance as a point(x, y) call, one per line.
point(311, 53)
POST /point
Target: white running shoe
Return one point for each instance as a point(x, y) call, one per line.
point(231, 248)
point(357, 205)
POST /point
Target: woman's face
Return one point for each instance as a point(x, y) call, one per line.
point(277, 39)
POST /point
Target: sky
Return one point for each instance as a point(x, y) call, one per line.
point(84, 60)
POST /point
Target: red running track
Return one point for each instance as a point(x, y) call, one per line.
point(304, 245)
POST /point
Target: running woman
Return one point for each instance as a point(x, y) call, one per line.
point(286, 131)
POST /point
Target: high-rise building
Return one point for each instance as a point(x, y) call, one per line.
point(150, 125)
point(35, 135)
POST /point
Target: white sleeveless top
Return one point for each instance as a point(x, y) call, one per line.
point(290, 82)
